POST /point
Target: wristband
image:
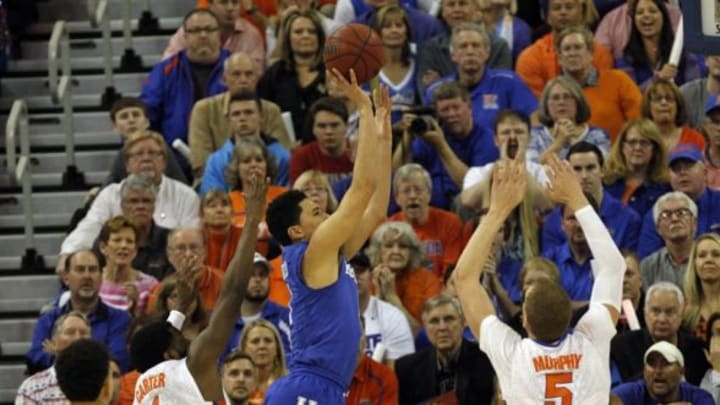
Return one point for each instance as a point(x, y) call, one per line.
point(176, 319)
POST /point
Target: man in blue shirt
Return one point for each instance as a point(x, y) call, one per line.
point(687, 174)
point(622, 222)
point(662, 382)
point(257, 305)
point(325, 320)
point(244, 115)
point(82, 275)
point(447, 152)
point(491, 90)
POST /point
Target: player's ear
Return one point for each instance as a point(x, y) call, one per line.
point(296, 232)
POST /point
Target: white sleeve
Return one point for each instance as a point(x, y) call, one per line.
point(87, 230)
point(711, 383)
point(431, 7)
point(499, 342)
point(598, 327)
point(608, 264)
point(190, 215)
point(396, 334)
point(476, 174)
point(344, 12)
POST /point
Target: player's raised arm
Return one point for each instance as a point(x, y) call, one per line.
point(321, 257)
point(376, 211)
point(608, 263)
point(508, 189)
point(206, 348)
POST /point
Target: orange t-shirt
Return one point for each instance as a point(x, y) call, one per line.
point(614, 100)
point(415, 287)
point(538, 64)
point(127, 387)
point(689, 135)
point(442, 236)
point(221, 247)
point(265, 7)
point(209, 286)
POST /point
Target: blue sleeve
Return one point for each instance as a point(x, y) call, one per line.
point(213, 177)
point(615, 376)
point(650, 241)
point(632, 231)
point(152, 96)
point(38, 359)
point(523, 99)
point(701, 397)
point(484, 150)
point(116, 344)
point(552, 234)
point(283, 162)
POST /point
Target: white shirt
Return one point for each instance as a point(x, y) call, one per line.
point(477, 174)
point(41, 388)
point(577, 369)
point(170, 382)
point(530, 373)
point(176, 206)
point(387, 324)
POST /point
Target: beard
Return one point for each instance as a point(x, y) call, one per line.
point(257, 297)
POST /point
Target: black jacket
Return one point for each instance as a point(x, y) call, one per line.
point(474, 378)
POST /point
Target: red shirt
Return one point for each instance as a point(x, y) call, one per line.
point(310, 156)
point(442, 235)
point(373, 384)
point(209, 285)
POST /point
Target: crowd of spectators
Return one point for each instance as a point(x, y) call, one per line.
point(472, 83)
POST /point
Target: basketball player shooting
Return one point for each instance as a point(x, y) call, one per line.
point(552, 365)
point(194, 377)
point(325, 319)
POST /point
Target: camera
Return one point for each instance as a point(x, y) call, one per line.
point(425, 120)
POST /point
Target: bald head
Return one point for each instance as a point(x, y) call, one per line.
point(240, 73)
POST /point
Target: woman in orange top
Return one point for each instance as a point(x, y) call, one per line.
point(221, 236)
point(399, 272)
point(261, 340)
point(664, 104)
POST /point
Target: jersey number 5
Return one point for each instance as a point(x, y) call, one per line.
point(554, 389)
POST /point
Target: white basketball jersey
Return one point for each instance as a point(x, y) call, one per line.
point(168, 383)
point(576, 371)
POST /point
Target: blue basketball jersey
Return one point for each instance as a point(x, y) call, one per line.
point(324, 323)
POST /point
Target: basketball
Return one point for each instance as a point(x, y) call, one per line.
point(357, 47)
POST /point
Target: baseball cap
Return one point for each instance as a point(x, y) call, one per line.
point(686, 151)
point(262, 260)
point(713, 102)
point(669, 352)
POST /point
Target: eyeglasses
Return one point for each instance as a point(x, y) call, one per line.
point(186, 248)
point(634, 143)
point(199, 30)
point(680, 213)
point(145, 153)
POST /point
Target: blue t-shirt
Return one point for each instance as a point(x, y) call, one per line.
point(325, 322)
point(476, 149)
point(499, 89)
point(635, 393)
point(622, 222)
point(576, 278)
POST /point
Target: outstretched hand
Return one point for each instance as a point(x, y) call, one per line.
point(508, 185)
point(186, 289)
point(564, 187)
point(383, 106)
point(256, 197)
point(351, 89)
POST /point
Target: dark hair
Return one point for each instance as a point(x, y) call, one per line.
point(714, 317)
point(237, 355)
point(548, 309)
point(635, 53)
point(282, 213)
point(199, 11)
point(69, 258)
point(149, 344)
point(450, 90)
point(664, 84)
point(585, 147)
point(511, 114)
point(82, 369)
point(332, 105)
point(127, 102)
point(286, 52)
point(245, 95)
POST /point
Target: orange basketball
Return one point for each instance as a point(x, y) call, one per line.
point(357, 47)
